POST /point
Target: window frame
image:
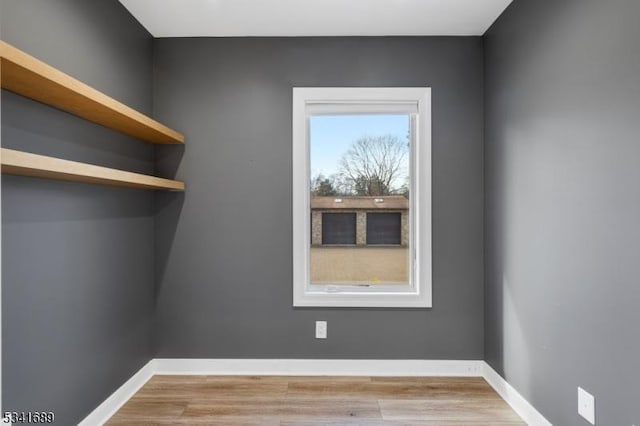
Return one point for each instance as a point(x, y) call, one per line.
point(354, 100)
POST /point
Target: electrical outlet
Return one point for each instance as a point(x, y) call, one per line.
point(587, 406)
point(321, 329)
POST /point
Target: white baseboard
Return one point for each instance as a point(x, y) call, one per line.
point(519, 404)
point(112, 404)
point(319, 367)
point(316, 367)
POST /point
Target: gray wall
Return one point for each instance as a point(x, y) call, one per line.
point(224, 251)
point(77, 277)
point(563, 205)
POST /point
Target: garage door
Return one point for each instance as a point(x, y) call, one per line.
point(383, 228)
point(338, 228)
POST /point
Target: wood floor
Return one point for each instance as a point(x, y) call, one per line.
point(316, 401)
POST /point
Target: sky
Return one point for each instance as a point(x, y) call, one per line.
point(332, 135)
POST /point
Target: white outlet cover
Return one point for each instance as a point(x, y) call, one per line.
point(321, 329)
point(587, 406)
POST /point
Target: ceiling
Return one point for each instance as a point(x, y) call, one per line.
point(290, 18)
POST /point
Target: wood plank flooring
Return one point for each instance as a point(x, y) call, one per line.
point(316, 401)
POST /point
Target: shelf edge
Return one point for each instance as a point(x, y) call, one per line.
point(27, 76)
point(27, 164)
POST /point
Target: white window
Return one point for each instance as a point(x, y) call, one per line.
point(362, 197)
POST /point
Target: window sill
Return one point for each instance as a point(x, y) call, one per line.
point(348, 299)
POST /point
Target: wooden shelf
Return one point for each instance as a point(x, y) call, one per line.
point(32, 78)
point(26, 164)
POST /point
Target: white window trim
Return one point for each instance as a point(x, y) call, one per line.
point(306, 99)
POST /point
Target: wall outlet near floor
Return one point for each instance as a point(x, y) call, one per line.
point(587, 406)
point(321, 329)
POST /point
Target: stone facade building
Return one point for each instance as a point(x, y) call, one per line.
point(360, 221)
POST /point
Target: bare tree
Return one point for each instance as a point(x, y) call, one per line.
point(376, 165)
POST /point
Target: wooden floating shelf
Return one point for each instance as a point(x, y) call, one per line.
point(32, 78)
point(26, 164)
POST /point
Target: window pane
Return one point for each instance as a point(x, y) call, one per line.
point(360, 210)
